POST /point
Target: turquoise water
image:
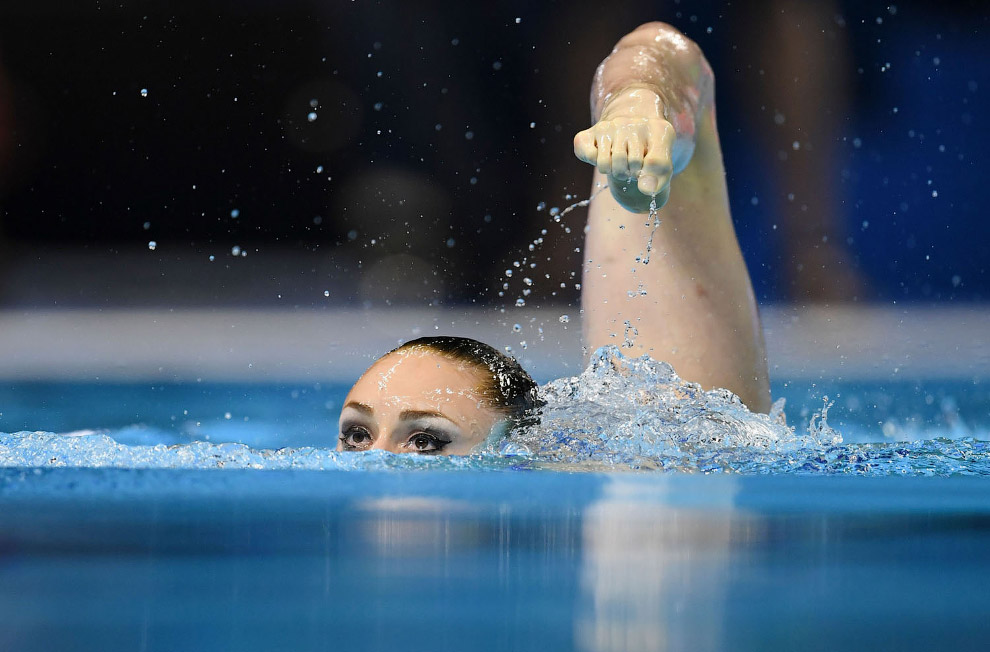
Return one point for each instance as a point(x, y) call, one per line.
point(118, 559)
point(644, 514)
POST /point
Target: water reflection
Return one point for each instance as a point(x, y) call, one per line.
point(653, 573)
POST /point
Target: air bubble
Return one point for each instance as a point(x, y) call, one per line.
point(152, 245)
point(516, 328)
point(563, 319)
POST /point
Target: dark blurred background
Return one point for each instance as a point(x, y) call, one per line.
point(306, 153)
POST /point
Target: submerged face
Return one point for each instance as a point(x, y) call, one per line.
point(416, 401)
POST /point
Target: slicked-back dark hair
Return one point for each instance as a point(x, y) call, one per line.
point(506, 388)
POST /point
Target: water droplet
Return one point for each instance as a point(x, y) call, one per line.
point(518, 20)
point(508, 272)
point(235, 213)
point(227, 415)
point(532, 125)
point(469, 135)
point(541, 206)
point(528, 281)
point(563, 319)
point(235, 250)
point(313, 103)
point(311, 116)
point(212, 258)
point(450, 243)
point(319, 169)
point(326, 293)
point(497, 65)
point(520, 303)
point(152, 245)
point(144, 92)
point(146, 225)
point(516, 328)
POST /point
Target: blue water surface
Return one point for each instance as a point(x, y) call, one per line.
point(120, 559)
point(642, 514)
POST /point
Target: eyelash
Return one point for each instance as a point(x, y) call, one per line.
point(436, 440)
point(347, 434)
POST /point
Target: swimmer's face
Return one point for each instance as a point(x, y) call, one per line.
point(415, 401)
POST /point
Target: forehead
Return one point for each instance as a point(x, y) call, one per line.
point(417, 376)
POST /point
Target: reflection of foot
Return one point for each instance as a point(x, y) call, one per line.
point(823, 274)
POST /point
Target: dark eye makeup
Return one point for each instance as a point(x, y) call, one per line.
point(423, 441)
point(355, 439)
point(427, 442)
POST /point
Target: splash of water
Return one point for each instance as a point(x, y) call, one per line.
point(655, 219)
point(636, 413)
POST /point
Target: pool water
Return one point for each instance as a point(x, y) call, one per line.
point(118, 559)
point(207, 516)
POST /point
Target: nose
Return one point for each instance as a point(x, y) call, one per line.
point(384, 443)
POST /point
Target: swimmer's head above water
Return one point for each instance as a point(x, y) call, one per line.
point(653, 107)
point(436, 395)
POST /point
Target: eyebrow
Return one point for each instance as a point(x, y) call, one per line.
point(405, 415)
point(409, 415)
point(360, 407)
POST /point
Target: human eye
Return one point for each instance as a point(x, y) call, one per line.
point(427, 442)
point(355, 438)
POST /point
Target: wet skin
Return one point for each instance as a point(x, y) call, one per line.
point(415, 401)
